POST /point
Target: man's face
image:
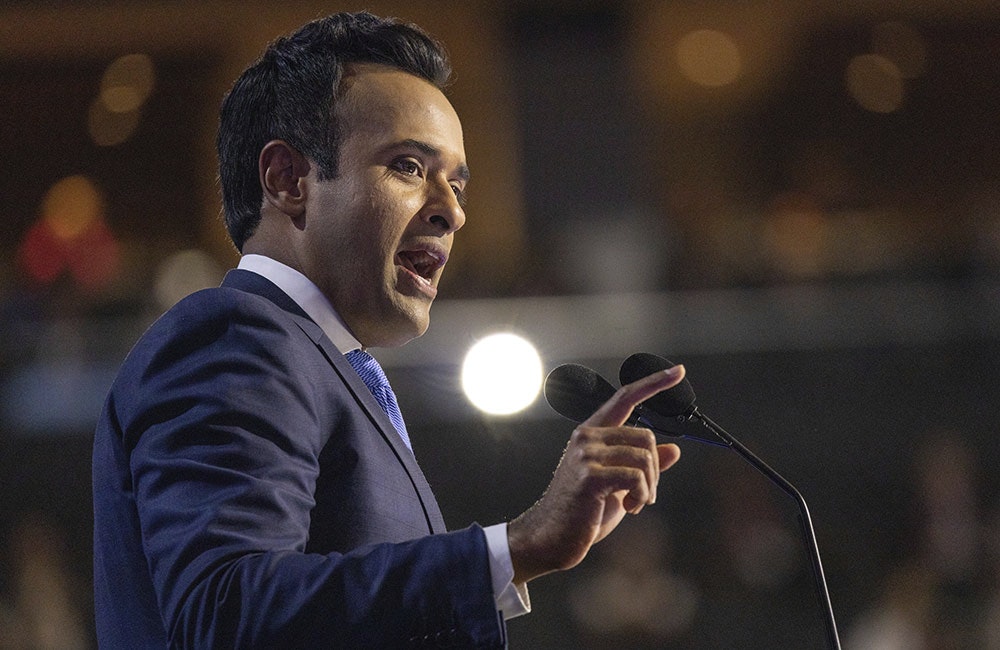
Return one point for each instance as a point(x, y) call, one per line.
point(377, 236)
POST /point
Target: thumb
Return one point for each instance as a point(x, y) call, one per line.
point(669, 454)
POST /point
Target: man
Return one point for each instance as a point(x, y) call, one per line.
point(249, 490)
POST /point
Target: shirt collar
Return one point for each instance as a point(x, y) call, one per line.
point(307, 295)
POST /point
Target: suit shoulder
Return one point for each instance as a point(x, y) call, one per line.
point(221, 349)
point(212, 323)
point(218, 302)
point(219, 307)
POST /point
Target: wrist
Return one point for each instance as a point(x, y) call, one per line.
point(535, 552)
point(522, 557)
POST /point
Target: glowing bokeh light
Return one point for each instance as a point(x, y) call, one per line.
point(875, 83)
point(70, 237)
point(71, 206)
point(127, 83)
point(183, 273)
point(709, 58)
point(502, 374)
point(125, 86)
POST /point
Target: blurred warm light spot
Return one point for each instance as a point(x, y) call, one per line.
point(709, 57)
point(70, 236)
point(502, 374)
point(108, 128)
point(127, 83)
point(875, 83)
point(901, 44)
point(125, 87)
point(183, 273)
point(795, 236)
point(71, 206)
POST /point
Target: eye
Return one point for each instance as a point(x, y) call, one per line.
point(459, 194)
point(407, 166)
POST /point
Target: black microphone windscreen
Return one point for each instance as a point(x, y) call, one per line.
point(576, 391)
point(674, 401)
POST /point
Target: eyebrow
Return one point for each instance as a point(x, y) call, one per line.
point(431, 150)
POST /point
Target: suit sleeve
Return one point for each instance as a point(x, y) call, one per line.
point(223, 440)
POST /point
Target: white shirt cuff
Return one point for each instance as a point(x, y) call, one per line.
point(512, 600)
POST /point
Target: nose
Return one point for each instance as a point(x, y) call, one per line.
point(443, 209)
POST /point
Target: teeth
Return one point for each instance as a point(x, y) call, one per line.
point(421, 263)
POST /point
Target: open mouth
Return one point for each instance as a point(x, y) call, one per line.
point(421, 263)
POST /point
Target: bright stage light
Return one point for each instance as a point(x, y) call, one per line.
point(502, 374)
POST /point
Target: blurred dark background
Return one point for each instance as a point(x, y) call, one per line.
point(799, 200)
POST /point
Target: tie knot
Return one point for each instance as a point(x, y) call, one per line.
point(367, 368)
point(373, 376)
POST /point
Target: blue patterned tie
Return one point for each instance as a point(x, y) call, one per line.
point(371, 373)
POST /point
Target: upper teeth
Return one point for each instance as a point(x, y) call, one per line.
point(421, 262)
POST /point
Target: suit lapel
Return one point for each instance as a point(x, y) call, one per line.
point(378, 416)
point(257, 284)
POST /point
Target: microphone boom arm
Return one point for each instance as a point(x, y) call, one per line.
point(576, 391)
point(683, 428)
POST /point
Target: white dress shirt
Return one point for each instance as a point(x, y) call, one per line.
point(511, 599)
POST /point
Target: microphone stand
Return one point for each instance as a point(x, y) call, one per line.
point(660, 424)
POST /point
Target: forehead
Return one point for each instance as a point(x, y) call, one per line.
point(384, 104)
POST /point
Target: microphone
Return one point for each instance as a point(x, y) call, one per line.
point(576, 391)
point(675, 401)
point(678, 404)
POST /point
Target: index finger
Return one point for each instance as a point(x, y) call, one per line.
point(616, 410)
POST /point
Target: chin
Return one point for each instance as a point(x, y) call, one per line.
point(400, 331)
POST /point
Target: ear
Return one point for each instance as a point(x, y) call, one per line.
point(282, 170)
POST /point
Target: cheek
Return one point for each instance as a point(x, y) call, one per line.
point(375, 249)
point(389, 219)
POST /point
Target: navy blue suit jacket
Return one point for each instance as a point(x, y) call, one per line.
point(249, 492)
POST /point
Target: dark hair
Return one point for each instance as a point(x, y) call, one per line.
point(290, 94)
